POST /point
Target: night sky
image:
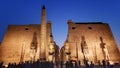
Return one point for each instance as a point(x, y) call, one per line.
point(59, 11)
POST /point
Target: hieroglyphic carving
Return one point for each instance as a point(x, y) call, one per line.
point(43, 35)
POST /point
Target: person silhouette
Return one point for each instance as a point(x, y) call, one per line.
point(91, 65)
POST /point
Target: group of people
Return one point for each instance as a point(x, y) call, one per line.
point(77, 64)
point(29, 64)
point(68, 64)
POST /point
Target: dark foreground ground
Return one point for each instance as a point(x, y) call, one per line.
point(113, 66)
point(52, 65)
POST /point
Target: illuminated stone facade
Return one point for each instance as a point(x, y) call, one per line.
point(29, 43)
point(92, 41)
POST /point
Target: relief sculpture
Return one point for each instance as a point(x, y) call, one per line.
point(104, 50)
point(84, 48)
point(33, 47)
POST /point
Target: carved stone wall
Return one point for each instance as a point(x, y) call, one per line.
point(27, 42)
point(92, 32)
point(15, 46)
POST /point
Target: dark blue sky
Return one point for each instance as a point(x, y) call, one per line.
point(59, 11)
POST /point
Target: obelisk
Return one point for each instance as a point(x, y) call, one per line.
point(43, 35)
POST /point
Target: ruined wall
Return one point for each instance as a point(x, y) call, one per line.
point(16, 43)
point(94, 34)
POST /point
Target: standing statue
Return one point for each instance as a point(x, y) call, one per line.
point(106, 53)
point(84, 48)
point(67, 51)
point(51, 52)
point(33, 47)
point(104, 49)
